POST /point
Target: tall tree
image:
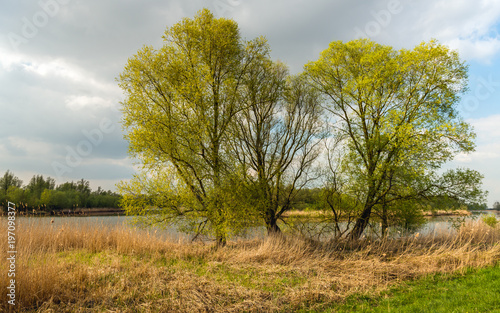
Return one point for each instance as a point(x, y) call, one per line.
point(395, 109)
point(277, 137)
point(8, 180)
point(38, 184)
point(180, 103)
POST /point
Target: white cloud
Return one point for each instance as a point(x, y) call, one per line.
point(488, 140)
point(469, 26)
point(30, 146)
point(487, 128)
point(7, 60)
point(482, 50)
point(487, 155)
point(82, 102)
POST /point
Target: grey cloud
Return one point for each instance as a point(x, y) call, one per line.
point(94, 39)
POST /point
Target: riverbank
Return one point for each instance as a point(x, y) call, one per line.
point(322, 213)
point(91, 268)
point(72, 212)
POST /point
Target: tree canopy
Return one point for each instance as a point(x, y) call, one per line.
point(276, 138)
point(396, 113)
point(225, 135)
point(181, 102)
point(42, 195)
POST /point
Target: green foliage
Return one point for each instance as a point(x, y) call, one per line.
point(9, 180)
point(16, 195)
point(395, 112)
point(477, 206)
point(43, 195)
point(181, 101)
point(36, 186)
point(402, 215)
point(309, 199)
point(457, 222)
point(496, 205)
point(490, 220)
point(225, 135)
point(58, 200)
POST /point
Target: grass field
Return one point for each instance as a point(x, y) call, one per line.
point(477, 290)
point(63, 268)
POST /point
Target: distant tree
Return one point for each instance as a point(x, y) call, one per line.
point(8, 180)
point(37, 185)
point(59, 200)
point(496, 205)
point(477, 206)
point(66, 186)
point(99, 191)
point(84, 190)
point(83, 186)
point(104, 200)
point(18, 196)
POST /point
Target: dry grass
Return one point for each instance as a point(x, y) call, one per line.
point(448, 213)
point(92, 269)
point(323, 213)
point(307, 214)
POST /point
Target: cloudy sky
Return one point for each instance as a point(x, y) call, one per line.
point(59, 101)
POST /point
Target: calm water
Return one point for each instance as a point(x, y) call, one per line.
point(434, 224)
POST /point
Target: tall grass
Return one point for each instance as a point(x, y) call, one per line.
point(87, 268)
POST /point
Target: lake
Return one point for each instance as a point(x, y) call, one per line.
point(434, 224)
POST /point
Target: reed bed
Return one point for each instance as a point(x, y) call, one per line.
point(90, 268)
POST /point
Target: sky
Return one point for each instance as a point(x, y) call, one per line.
point(59, 59)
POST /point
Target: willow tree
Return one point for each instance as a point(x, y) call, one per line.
point(396, 109)
point(276, 137)
point(180, 102)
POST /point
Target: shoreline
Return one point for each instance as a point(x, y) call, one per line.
point(288, 214)
point(321, 213)
point(76, 212)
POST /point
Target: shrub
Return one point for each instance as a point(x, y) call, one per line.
point(490, 220)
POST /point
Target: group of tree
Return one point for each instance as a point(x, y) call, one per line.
point(226, 136)
point(42, 194)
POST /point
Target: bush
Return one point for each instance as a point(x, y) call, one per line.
point(490, 220)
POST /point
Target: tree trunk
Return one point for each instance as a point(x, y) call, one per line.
point(272, 222)
point(363, 220)
point(385, 222)
point(273, 228)
point(361, 223)
point(221, 240)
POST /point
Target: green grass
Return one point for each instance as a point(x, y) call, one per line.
point(474, 291)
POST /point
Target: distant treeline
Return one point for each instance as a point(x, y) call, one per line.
point(42, 194)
